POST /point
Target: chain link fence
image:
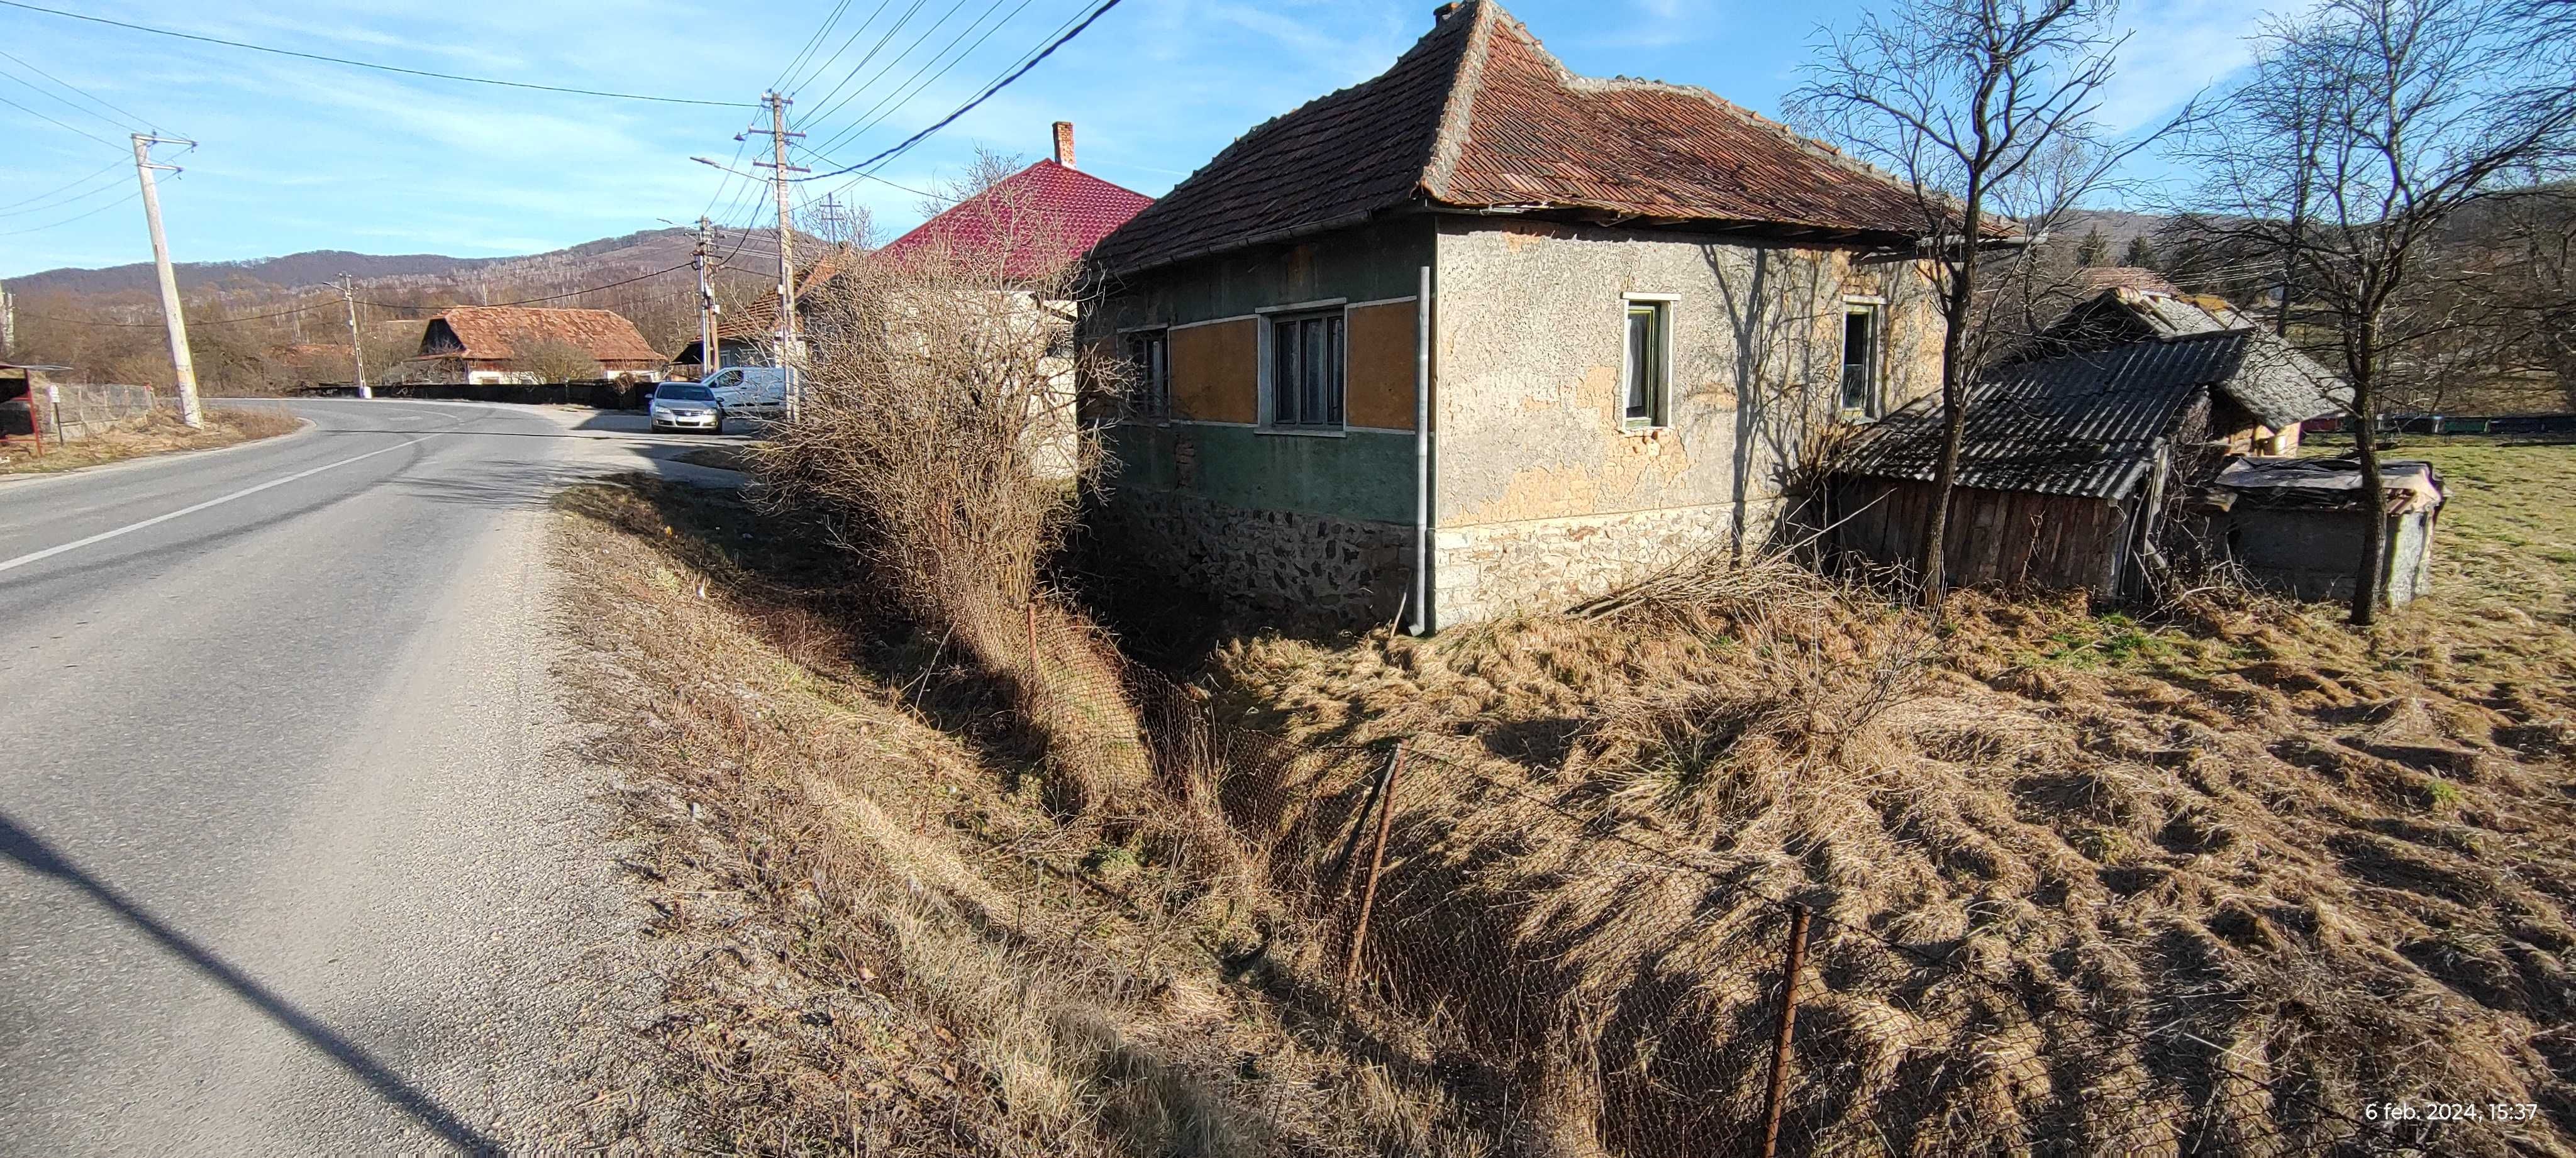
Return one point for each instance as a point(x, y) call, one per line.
point(71, 412)
point(1582, 984)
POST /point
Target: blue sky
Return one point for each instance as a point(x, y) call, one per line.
point(298, 155)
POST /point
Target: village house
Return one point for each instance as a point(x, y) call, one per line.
point(490, 345)
point(1031, 223)
point(1481, 334)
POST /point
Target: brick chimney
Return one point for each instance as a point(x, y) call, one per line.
point(1064, 144)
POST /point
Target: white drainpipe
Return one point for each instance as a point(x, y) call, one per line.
point(1422, 457)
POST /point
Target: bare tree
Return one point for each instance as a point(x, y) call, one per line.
point(1985, 107)
point(554, 360)
point(2365, 128)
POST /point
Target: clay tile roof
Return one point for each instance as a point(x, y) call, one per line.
point(1037, 219)
point(1479, 115)
point(496, 332)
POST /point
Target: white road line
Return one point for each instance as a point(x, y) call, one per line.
point(103, 536)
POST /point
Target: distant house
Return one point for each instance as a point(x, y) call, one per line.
point(1643, 304)
point(2260, 411)
point(1034, 222)
point(2068, 469)
point(489, 345)
point(2094, 279)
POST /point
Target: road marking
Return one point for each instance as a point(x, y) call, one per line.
point(156, 520)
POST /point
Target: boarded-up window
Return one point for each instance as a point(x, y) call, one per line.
point(1306, 370)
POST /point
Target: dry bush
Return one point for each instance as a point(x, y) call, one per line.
point(159, 432)
point(881, 950)
point(2083, 885)
point(937, 435)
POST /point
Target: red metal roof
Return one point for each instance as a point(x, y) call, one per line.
point(1035, 220)
point(1478, 115)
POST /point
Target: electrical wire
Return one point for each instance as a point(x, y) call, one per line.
point(844, 49)
point(61, 202)
point(826, 104)
point(530, 301)
point(969, 106)
point(52, 121)
point(823, 113)
point(87, 95)
point(59, 99)
point(13, 207)
point(811, 43)
point(194, 321)
point(135, 195)
point(626, 96)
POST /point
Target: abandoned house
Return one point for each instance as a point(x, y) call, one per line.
point(2068, 466)
point(492, 345)
point(1480, 334)
point(2294, 525)
point(2261, 411)
point(1032, 222)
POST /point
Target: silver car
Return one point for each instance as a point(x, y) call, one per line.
point(687, 406)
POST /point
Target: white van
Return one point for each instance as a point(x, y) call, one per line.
point(751, 391)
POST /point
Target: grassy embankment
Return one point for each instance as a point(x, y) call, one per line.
point(893, 946)
point(2343, 864)
point(2276, 863)
point(157, 433)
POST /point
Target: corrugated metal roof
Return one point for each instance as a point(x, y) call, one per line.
point(1478, 115)
point(2086, 424)
point(2279, 385)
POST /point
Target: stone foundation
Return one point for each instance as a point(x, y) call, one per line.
point(1495, 569)
point(1309, 570)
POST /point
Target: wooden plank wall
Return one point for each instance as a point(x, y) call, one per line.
point(2000, 538)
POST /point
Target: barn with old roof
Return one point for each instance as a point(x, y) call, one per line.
point(1481, 334)
point(497, 345)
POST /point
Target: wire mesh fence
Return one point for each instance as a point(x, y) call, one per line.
point(1584, 983)
point(74, 411)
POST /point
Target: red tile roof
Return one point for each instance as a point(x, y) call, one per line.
point(1036, 220)
point(495, 333)
point(1478, 115)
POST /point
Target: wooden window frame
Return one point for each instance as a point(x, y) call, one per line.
point(1659, 404)
point(1150, 398)
point(1874, 364)
point(1334, 399)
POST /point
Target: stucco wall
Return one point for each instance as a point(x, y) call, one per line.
point(1529, 338)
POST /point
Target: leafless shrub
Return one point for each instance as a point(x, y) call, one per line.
point(554, 360)
point(936, 432)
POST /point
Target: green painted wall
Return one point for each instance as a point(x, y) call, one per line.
point(1367, 263)
point(1362, 475)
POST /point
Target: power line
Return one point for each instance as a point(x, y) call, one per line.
point(60, 202)
point(922, 77)
point(811, 43)
point(969, 106)
point(75, 217)
point(826, 107)
point(191, 321)
point(59, 99)
point(12, 207)
point(85, 94)
point(50, 120)
point(855, 34)
point(529, 301)
point(627, 96)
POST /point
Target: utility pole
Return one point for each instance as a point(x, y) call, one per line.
point(8, 321)
point(357, 349)
point(709, 350)
point(790, 348)
point(182, 367)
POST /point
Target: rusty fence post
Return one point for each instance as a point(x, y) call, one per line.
point(1377, 865)
point(1796, 964)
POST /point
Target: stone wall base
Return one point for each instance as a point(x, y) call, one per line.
point(1492, 570)
point(1292, 568)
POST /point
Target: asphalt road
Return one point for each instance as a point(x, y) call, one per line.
point(289, 858)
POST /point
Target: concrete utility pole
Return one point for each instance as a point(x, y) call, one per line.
point(709, 351)
point(182, 367)
point(790, 347)
point(8, 321)
point(357, 349)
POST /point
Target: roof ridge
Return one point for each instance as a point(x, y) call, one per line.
point(1449, 141)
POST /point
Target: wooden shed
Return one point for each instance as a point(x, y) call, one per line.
point(2066, 469)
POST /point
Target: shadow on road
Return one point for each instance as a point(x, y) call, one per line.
point(23, 847)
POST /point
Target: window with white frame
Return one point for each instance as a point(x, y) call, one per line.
point(1306, 370)
point(1150, 353)
point(1860, 390)
point(1649, 372)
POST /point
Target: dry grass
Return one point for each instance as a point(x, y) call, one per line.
point(2215, 884)
point(159, 432)
point(891, 946)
